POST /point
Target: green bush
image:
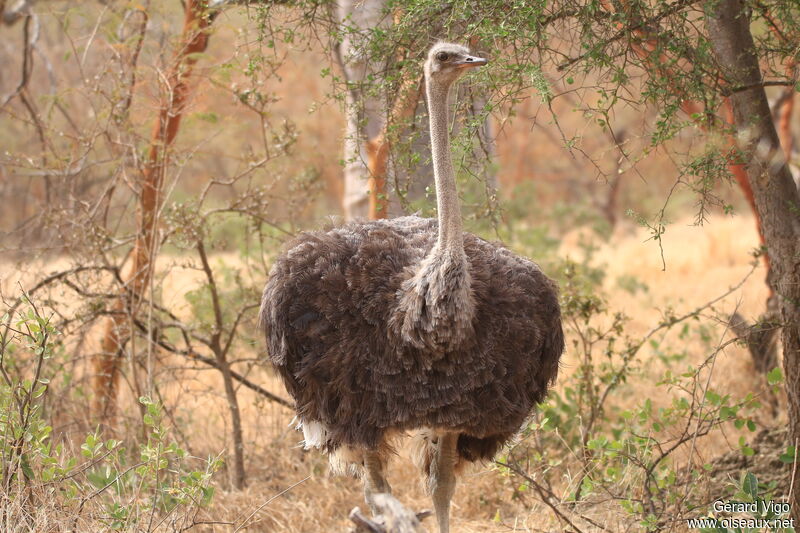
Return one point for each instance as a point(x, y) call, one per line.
point(46, 483)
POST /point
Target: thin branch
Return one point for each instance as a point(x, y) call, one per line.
point(210, 361)
point(758, 85)
point(625, 32)
point(244, 523)
point(541, 491)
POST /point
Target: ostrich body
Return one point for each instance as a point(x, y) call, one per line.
point(381, 327)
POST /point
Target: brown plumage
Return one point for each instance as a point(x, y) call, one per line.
point(410, 323)
point(334, 334)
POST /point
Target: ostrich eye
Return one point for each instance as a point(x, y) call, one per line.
point(442, 56)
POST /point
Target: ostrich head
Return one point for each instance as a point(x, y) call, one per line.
point(447, 62)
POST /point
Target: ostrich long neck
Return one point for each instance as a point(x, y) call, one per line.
point(436, 305)
point(451, 237)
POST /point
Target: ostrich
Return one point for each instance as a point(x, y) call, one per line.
point(383, 327)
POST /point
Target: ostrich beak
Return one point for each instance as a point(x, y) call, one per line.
point(471, 61)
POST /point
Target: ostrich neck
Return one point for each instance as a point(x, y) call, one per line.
point(436, 304)
point(451, 238)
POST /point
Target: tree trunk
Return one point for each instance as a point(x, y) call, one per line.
point(776, 196)
point(785, 121)
point(194, 40)
point(374, 125)
point(379, 146)
point(362, 112)
point(238, 476)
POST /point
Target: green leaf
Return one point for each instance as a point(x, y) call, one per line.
point(750, 485)
point(775, 376)
point(26, 467)
point(789, 456)
point(713, 397)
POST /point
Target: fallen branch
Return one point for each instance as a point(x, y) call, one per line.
point(393, 517)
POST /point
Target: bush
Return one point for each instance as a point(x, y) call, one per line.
point(597, 442)
point(47, 485)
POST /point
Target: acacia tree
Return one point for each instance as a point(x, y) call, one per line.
point(137, 290)
point(760, 336)
point(361, 106)
point(382, 102)
point(193, 41)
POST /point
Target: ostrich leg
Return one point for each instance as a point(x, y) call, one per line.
point(374, 480)
point(442, 481)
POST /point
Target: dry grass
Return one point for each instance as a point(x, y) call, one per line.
point(701, 264)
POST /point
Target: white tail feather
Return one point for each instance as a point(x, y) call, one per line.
point(315, 434)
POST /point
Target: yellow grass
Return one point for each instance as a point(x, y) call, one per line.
point(701, 263)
